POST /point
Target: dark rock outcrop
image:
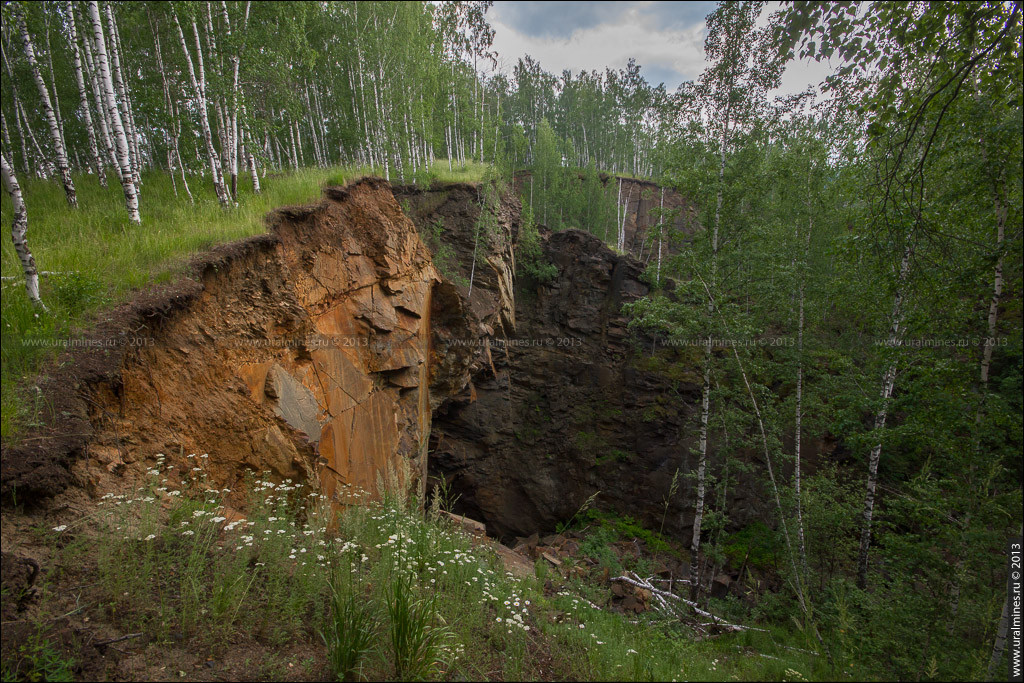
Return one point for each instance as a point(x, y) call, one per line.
point(571, 406)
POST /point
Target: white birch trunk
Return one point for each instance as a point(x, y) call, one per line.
point(199, 89)
point(662, 230)
point(251, 158)
point(1000, 642)
point(19, 232)
point(888, 381)
point(22, 135)
point(997, 287)
point(106, 140)
point(56, 138)
point(797, 483)
point(698, 515)
point(625, 214)
point(90, 130)
point(53, 79)
point(131, 197)
point(121, 88)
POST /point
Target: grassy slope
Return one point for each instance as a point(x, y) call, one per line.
point(282, 593)
point(101, 257)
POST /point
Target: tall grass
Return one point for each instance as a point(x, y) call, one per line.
point(99, 257)
point(378, 589)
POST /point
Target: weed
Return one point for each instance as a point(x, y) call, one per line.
point(350, 632)
point(414, 636)
point(38, 660)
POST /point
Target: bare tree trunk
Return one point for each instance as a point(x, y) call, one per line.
point(661, 230)
point(698, 515)
point(251, 159)
point(236, 61)
point(1000, 643)
point(295, 152)
point(997, 286)
point(797, 429)
point(5, 134)
point(53, 79)
point(172, 124)
point(121, 88)
point(102, 113)
point(19, 231)
point(625, 214)
point(48, 112)
point(888, 381)
point(199, 89)
point(706, 390)
point(131, 197)
point(22, 136)
point(184, 180)
point(90, 130)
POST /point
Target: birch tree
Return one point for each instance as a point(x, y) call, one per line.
point(199, 93)
point(56, 138)
point(127, 177)
point(84, 107)
point(19, 231)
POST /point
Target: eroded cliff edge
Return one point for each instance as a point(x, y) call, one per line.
point(383, 329)
point(306, 352)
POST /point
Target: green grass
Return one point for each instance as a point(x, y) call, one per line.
point(425, 602)
point(102, 258)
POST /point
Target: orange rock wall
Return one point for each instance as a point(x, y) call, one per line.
point(305, 355)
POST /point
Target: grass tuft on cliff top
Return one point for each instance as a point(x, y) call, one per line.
point(99, 257)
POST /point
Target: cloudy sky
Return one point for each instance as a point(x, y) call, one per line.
point(666, 38)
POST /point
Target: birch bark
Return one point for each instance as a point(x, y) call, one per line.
point(90, 130)
point(888, 382)
point(61, 157)
point(199, 89)
point(131, 197)
point(19, 231)
point(121, 88)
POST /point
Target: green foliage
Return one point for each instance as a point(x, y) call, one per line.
point(38, 660)
point(530, 260)
point(628, 528)
point(415, 638)
point(755, 545)
point(350, 632)
point(596, 545)
point(444, 255)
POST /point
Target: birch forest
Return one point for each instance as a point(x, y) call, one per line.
point(808, 348)
point(228, 89)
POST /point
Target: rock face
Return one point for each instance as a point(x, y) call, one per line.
point(644, 201)
point(369, 334)
point(567, 409)
point(305, 352)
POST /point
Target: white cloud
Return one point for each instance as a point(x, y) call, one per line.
point(674, 55)
point(665, 38)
